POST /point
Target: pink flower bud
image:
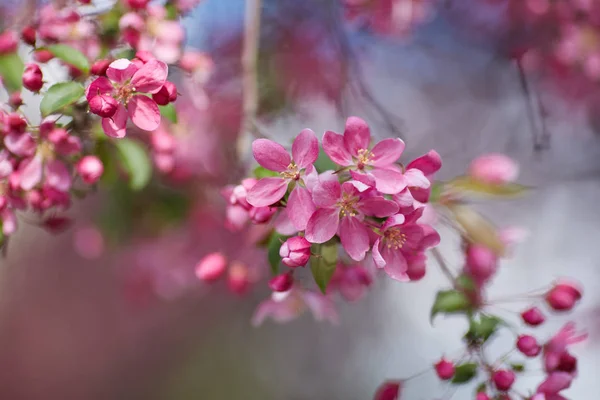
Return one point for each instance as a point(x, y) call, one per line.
point(15, 100)
point(261, 215)
point(104, 105)
point(282, 282)
point(237, 279)
point(389, 390)
point(32, 77)
point(482, 396)
point(17, 123)
point(533, 316)
point(563, 296)
point(528, 345)
point(137, 4)
point(43, 55)
point(567, 363)
point(90, 168)
point(295, 252)
point(144, 56)
point(9, 41)
point(167, 94)
point(503, 379)
point(494, 168)
point(99, 67)
point(28, 35)
point(444, 369)
point(211, 267)
point(481, 262)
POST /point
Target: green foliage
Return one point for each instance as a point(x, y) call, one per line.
point(324, 262)
point(262, 172)
point(476, 188)
point(482, 329)
point(324, 163)
point(450, 302)
point(135, 161)
point(169, 112)
point(273, 245)
point(11, 71)
point(70, 56)
point(60, 95)
point(464, 373)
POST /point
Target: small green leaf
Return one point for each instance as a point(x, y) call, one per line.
point(474, 187)
point(70, 56)
point(464, 373)
point(60, 95)
point(262, 172)
point(169, 112)
point(477, 229)
point(484, 328)
point(450, 302)
point(323, 263)
point(273, 251)
point(135, 161)
point(324, 163)
point(11, 71)
point(437, 188)
point(466, 283)
point(481, 387)
point(517, 367)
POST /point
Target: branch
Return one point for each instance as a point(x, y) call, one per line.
point(443, 266)
point(540, 137)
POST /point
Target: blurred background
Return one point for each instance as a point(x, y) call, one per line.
point(119, 315)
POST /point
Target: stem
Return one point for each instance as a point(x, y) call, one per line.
point(540, 137)
point(249, 75)
point(443, 266)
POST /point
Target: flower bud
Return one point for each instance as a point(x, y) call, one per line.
point(261, 215)
point(28, 35)
point(444, 369)
point(563, 296)
point(15, 100)
point(237, 279)
point(17, 123)
point(494, 168)
point(32, 77)
point(211, 267)
point(43, 55)
point(9, 41)
point(137, 4)
point(103, 105)
point(503, 379)
point(533, 316)
point(528, 345)
point(295, 252)
point(481, 262)
point(99, 67)
point(90, 168)
point(282, 282)
point(144, 56)
point(567, 363)
point(482, 396)
point(389, 390)
point(167, 94)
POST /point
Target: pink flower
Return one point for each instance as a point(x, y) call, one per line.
point(342, 207)
point(563, 296)
point(375, 166)
point(444, 369)
point(33, 79)
point(389, 390)
point(282, 282)
point(554, 383)
point(351, 281)
point(494, 168)
point(211, 267)
point(286, 306)
point(54, 173)
point(124, 84)
point(90, 168)
point(274, 157)
point(419, 175)
point(295, 252)
point(556, 356)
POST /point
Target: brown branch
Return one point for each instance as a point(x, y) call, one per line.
point(443, 266)
point(540, 136)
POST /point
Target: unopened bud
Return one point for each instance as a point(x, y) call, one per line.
point(261, 215)
point(33, 79)
point(295, 252)
point(90, 168)
point(28, 35)
point(481, 262)
point(494, 168)
point(563, 296)
point(17, 123)
point(43, 55)
point(99, 67)
point(482, 396)
point(444, 369)
point(137, 4)
point(15, 100)
point(9, 41)
point(533, 316)
point(104, 105)
point(503, 379)
point(389, 390)
point(167, 94)
point(528, 345)
point(282, 282)
point(238, 279)
point(211, 267)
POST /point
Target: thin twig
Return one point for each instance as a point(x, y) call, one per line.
point(540, 137)
point(443, 266)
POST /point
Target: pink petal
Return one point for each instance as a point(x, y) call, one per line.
point(431, 237)
point(388, 181)
point(377, 257)
point(322, 225)
point(357, 135)
point(555, 382)
point(387, 152)
point(58, 176)
point(395, 264)
point(404, 199)
point(121, 70)
point(321, 307)
point(267, 191)
point(282, 311)
point(21, 144)
point(429, 163)
point(414, 237)
point(415, 178)
point(354, 237)
point(494, 168)
point(144, 112)
point(271, 155)
point(116, 126)
point(283, 224)
point(389, 390)
point(30, 173)
point(367, 180)
point(9, 221)
point(305, 148)
point(334, 147)
point(300, 207)
point(394, 220)
point(151, 77)
point(378, 207)
point(327, 193)
point(100, 85)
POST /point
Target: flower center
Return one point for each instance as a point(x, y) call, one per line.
point(292, 172)
point(347, 205)
point(124, 93)
point(394, 238)
point(46, 150)
point(365, 157)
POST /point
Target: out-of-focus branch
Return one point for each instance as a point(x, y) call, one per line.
point(251, 43)
point(541, 137)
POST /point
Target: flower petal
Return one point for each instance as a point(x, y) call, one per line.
point(151, 77)
point(322, 225)
point(387, 152)
point(388, 181)
point(395, 264)
point(117, 125)
point(431, 237)
point(267, 191)
point(378, 206)
point(300, 207)
point(9, 221)
point(354, 237)
point(326, 193)
point(334, 147)
point(415, 178)
point(357, 135)
point(429, 163)
point(305, 148)
point(30, 173)
point(271, 155)
point(321, 307)
point(144, 112)
point(367, 180)
point(100, 85)
point(377, 257)
point(121, 70)
point(57, 176)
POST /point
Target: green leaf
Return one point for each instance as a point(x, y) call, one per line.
point(477, 229)
point(11, 71)
point(324, 163)
point(262, 172)
point(273, 251)
point(466, 283)
point(70, 56)
point(323, 263)
point(464, 373)
point(474, 187)
point(136, 162)
point(437, 188)
point(517, 367)
point(60, 95)
point(450, 302)
point(481, 387)
point(169, 112)
point(483, 329)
